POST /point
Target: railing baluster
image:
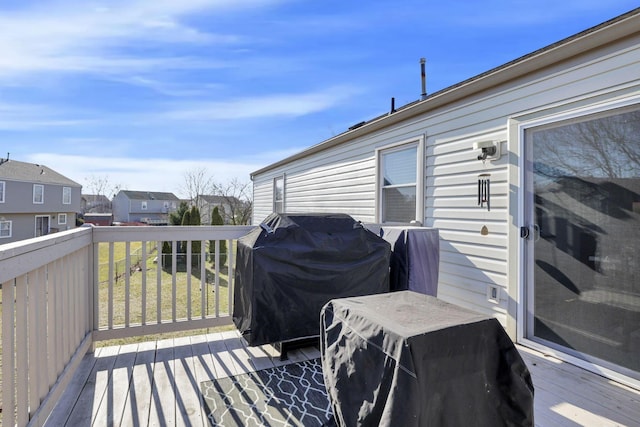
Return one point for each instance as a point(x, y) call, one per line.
point(66, 309)
point(60, 333)
point(143, 290)
point(203, 281)
point(174, 268)
point(127, 282)
point(32, 324)
point(188, 261)
point(96, 286)
point(159, 283)
point(8, 352)
point(230, 271)
point(217, 278)
point(52, 282)
point(22, 350)
point(41, 334)
point(110, 284)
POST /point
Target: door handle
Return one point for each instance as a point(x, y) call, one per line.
point(525, 232)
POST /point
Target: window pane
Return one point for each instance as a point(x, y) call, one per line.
point(5, 229)
point(278, 189)
point(38, 193)
point(66, 195)
point(278, 195)
point(1, 192)
point(400, 166)
point(399, 204)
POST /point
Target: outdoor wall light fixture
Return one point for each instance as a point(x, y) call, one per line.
point(484, 193)
point(488, 150)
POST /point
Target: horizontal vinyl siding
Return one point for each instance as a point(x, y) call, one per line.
point(469, 261)
point(342, 178)
point(262, 198)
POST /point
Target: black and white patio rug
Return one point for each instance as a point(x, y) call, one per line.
point(289, 395)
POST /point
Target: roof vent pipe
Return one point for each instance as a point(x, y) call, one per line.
point(393, 105)
point(423, 76)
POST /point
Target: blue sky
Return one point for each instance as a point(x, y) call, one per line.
point(142, 91)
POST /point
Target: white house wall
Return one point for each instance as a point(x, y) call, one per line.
point(342, 178)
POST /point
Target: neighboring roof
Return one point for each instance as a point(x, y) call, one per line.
point(95, 198)
point(149, 195)
point(216, 200)
point(30, 172)
point(614, 29)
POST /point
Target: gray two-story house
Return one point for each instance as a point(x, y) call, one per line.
point(35, 200)
point(148, 207)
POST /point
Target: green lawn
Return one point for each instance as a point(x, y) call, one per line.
point(184, 292)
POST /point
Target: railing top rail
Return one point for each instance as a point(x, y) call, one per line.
point(20, 257)
point(169, 232)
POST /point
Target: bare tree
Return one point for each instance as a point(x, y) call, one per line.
point(238, 197)
point(102, 186)
point(196, 183)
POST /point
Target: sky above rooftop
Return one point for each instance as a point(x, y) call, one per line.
point(142, 91)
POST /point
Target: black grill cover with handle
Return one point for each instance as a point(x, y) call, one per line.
point(290, 266)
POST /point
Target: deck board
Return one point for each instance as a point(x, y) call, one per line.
point(158, 383)
point(138, 403)
point(111, 407)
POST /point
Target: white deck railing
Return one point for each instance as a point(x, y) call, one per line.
point(63, 292)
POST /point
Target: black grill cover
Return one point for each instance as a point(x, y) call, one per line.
point(291, 265)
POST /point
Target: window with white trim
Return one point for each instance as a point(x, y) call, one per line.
point(2, 186)
point(278, 194)
point(400, 183)
point(144, 206)
point(38, 194)
point(66, 195)
point(62, 218)
point(5, 229)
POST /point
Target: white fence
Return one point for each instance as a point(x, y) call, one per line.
point(58, 298)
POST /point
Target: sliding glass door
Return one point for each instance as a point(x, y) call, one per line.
point(583, 248)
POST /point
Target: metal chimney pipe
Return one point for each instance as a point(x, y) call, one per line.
point(423, 76)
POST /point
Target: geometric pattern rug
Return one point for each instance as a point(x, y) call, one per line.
point(288, 395)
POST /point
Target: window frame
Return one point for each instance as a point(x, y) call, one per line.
point(60, 220)
point(3, 189)
point(275, 201)
point(41, 186)
point(66, 195)
point(143, 205)
point(10, 228)
point(418, 143)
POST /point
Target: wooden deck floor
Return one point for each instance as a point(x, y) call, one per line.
point(158, 383)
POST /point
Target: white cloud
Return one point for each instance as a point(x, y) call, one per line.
point(21, 116)
point(79, 37)
point(276, 105)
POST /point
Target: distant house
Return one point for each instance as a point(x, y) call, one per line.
point(148, 207)
point(35, 200)
point(206, 204)
point(95, 203)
